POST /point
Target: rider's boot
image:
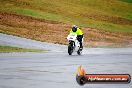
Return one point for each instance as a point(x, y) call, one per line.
point(81, 47)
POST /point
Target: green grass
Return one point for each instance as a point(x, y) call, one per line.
point(39, 14)
point(84, 13)
point(6, 49)
point(129, 1)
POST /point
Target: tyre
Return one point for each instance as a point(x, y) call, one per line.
point(79, 52)
point(70, 50)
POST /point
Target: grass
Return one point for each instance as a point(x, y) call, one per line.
point(85, 13)
point(128, 1)
point(103, 21)
point(39, 14)
point(6, 49)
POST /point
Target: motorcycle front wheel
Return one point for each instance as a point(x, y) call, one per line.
point(70, 50)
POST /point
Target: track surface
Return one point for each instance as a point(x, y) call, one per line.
point(56, 69)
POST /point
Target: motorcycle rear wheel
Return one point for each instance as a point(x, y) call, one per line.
point(79, 52)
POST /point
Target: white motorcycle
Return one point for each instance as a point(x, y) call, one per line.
point(74, 44)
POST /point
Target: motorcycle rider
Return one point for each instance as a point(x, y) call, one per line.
point(79, 33)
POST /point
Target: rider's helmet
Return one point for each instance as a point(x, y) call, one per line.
point(74, 28)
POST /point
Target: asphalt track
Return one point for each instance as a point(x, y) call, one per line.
point(55, 68)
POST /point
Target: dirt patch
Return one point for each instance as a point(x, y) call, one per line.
point(101, 38)
point(56, 32)
point(111, 19)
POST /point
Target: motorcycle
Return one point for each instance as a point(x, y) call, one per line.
point(74, 44)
